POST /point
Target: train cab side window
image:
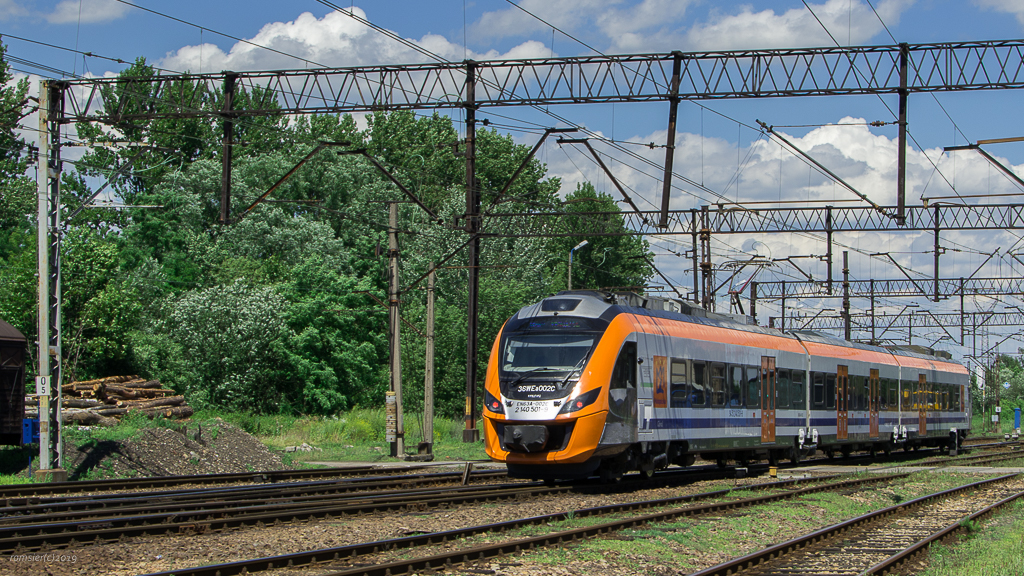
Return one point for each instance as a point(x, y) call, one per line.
point(783, 387)
point(798, 391)
point(819, 390)
point(699, 386)
point(718, 384)
point(736, 385)
point(830, 390)
point(753, 387)
point(624, 372)
point(678, 392)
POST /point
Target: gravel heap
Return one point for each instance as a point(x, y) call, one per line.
point(210, 448)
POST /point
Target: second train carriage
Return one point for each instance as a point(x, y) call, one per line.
point(586, 382)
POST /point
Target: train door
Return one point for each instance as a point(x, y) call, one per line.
point(873, 401)
point(922, 405)
point(842, 399)
point(768, 385)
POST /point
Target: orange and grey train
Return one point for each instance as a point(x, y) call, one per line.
point(588, 382)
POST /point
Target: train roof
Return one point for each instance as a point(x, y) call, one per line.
point(9, 333)
point(607, 305)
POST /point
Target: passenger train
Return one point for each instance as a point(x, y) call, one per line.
point(588, 382)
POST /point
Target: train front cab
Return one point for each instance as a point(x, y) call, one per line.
point(566, 437)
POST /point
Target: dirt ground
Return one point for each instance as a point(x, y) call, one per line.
point(210, 448)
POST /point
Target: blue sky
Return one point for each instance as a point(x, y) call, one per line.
point(729, 158)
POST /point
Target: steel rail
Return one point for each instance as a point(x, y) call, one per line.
point(776, 551)
point(37, 536)
point(893, 564)
point(492, 550)
point(215, 504)
point(116, 498)
point(148, 508)
point(21, 490)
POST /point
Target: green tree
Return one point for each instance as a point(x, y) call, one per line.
point(618, 260)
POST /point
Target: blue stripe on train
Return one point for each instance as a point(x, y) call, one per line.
point(726, 422)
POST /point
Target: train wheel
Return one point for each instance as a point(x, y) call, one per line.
point(874, 450)
point(887, 448)
point(846, 451)
point(720, 462)
point(794, 456)
point(610, 476)
point(830, 453)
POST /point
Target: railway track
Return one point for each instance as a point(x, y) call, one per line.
point(34, 523)
point(63, 522)
point(876, 542)
point(150, 482)
point(356, 555)
point(12, 509)
point(68, 529)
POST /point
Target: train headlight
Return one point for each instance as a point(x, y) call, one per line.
point(580, 402)
point(493, 404)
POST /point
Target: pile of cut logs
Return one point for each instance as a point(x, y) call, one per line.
point(104, 400)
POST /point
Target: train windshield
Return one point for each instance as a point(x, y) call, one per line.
point(528, 353)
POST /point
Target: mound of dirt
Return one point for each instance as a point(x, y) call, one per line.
point(191, 449)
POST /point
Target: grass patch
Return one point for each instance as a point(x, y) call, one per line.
point(129, 427)
point(357, 435)
point(997, 549)
point(675, 545)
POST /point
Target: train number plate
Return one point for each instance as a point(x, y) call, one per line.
point(528, 407)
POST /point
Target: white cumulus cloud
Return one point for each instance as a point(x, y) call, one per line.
point(87, 11)
point(849, 23)
point(1015, 7)
point(11, 9)
point(334, 40)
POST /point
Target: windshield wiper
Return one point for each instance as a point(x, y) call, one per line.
point(522, 375)
point(578, 366)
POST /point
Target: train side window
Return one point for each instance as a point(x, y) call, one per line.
point(783, 387)
point(892, 388)
point(624, 372)
point(857, 392)
point(830, 390)
point(956, 400)
point(753, 387)
point(678, 386)
point(819, 390)
point(798, 391)
point(718, 384)
point(883, 394)
point(698, 392)
point(736, 385)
